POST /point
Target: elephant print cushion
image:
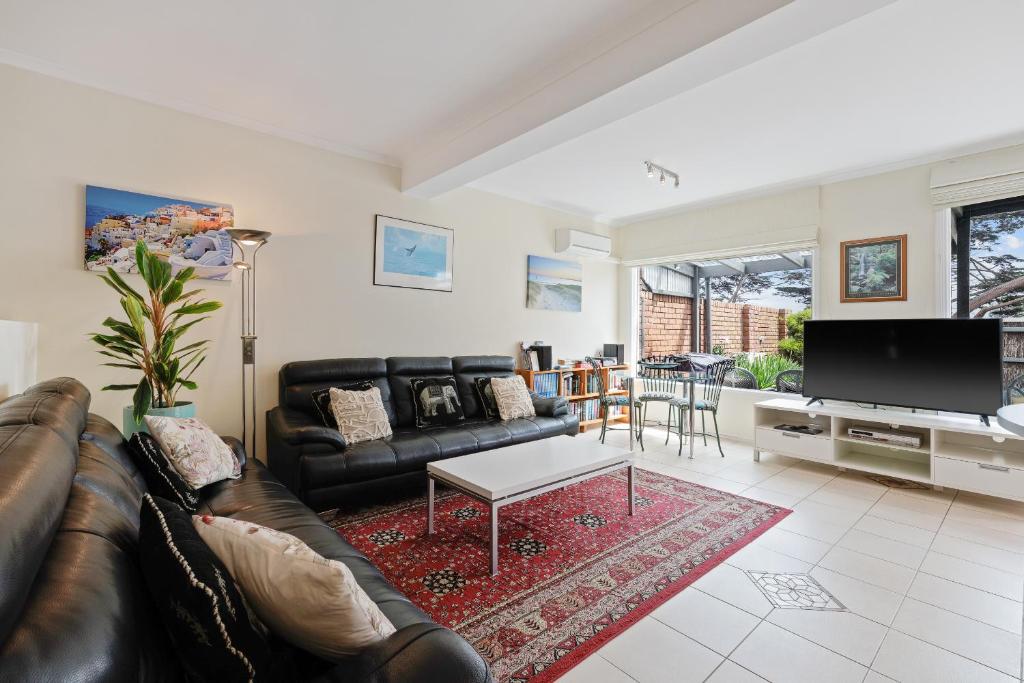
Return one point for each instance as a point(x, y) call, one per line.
point(512, 397)
point(436, 400)
point(360, 414)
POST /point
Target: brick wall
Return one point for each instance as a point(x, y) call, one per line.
point(736, 327)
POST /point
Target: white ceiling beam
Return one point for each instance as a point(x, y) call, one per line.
point(796, 258)
point(733, 264)
point(671, 47)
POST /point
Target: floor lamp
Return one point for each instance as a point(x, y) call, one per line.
point(248, 242)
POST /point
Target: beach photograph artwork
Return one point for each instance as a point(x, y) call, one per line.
point(413, 255)
point(554, 284)
point(182, 232)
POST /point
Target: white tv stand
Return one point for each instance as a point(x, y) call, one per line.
point(958, 452)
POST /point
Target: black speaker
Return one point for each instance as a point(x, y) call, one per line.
point(543, 356)
point(616, 351)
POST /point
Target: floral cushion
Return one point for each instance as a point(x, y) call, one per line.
point(195, 451)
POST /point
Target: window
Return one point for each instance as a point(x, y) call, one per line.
point(987, 257)
point(758, 303)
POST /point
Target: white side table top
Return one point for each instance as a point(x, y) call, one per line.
point(503, 472)
point(1011, 418)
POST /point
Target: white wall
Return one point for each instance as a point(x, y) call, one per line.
point(315, 293)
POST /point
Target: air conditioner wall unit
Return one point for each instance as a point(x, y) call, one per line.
point(574, 242)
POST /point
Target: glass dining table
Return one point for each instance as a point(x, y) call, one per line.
point(669, 374)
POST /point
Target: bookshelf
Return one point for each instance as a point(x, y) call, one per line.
point(578, 387)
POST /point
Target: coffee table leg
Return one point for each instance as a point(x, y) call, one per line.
point(430, 505)
point(632, 495)
point(494, 540)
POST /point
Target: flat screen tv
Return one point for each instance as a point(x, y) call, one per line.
point(935, 364)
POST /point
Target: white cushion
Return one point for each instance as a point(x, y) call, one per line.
point(310, 601)
point(512, 397)
point(360, 414)
point(194, 450)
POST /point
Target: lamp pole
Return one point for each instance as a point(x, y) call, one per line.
point(249, 242)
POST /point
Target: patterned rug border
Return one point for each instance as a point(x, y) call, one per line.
point(571, 660)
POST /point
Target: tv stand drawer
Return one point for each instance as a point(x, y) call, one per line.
point(807, 446)
point(993, 480)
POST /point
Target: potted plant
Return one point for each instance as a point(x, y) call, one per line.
point(147, 341)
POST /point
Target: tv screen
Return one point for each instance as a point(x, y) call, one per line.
point(936, 364)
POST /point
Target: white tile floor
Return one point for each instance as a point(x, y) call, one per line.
point(932, 583)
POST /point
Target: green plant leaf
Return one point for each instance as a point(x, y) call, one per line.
point(142, 400)
point(119, 284)
point(131, 366)
point(197, 308)
point(119, 387)
point(172, 292)
point(141, 252)
point(194, 347)
point(196, 367)
point(182, 329)
point(187, 384)
point(185, 274)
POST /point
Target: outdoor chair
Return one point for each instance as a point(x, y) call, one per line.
point(607, 401)
point(708, 403)
point(740, 378)
point(1014, 391)
point(659, 384)
point(790, 382)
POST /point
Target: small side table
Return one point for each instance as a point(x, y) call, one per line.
point(1011, 418)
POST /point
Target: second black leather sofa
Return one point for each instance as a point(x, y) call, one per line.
point(324, 472)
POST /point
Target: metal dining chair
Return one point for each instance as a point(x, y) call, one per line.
point(659, 384)
point(740, 378)
point(790, 382)
point(712, 392)
point(606, 400)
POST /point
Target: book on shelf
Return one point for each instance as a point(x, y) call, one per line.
point(545, 385)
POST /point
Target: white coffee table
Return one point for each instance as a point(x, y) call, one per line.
point(507, 475)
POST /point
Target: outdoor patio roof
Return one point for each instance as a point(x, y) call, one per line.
point(765, 263)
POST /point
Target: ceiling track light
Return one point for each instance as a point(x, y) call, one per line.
point(662, 172)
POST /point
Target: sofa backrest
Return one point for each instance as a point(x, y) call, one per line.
point(72, 599)
point(299, 379)
point(468, 368)
point(402, 370)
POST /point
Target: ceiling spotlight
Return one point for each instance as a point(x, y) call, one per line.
point(663, 173)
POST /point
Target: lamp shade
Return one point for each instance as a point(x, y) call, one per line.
point(248, 236)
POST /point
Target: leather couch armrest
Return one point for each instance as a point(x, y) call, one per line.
point(237, 448)
point(418, 653)
point(295, 428)
point(550, 407)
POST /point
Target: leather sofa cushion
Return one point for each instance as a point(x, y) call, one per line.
point(298, 380)
point(401, 370)
point(37, 467)
point(58, 412)
point(65, 386)
point(468, 368)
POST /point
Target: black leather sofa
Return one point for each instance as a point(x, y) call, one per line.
point(317, 465)
point(73, 603)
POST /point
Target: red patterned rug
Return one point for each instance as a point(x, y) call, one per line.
point(575, 570)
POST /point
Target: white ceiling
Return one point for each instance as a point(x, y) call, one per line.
point(558, 103)
point(916, 80)
point(370, 78)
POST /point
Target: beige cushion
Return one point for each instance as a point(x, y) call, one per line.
point(512, 397)
point(310, 601)
point(360, 414)
point(194, 450)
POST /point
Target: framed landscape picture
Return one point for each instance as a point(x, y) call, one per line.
point(873, 269)
point(414, 255)
point(554, 284)
point(182, 232)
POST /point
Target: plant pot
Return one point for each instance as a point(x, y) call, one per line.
point(180, 409)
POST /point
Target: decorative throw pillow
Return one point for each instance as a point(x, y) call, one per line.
point(360, 414)
point(213, 631)
point(486, 395)
point(310, 601)
point(322, 401)
point(161, 478)
point(195, 451)
point(512, 397)
point(436, 400)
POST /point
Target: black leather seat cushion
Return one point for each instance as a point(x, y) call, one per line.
point(298, 380)
point(468, 368)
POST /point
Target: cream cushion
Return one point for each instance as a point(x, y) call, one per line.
point(512, 397)
point(194, 450)
point(310, 601)
point(360, 414)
